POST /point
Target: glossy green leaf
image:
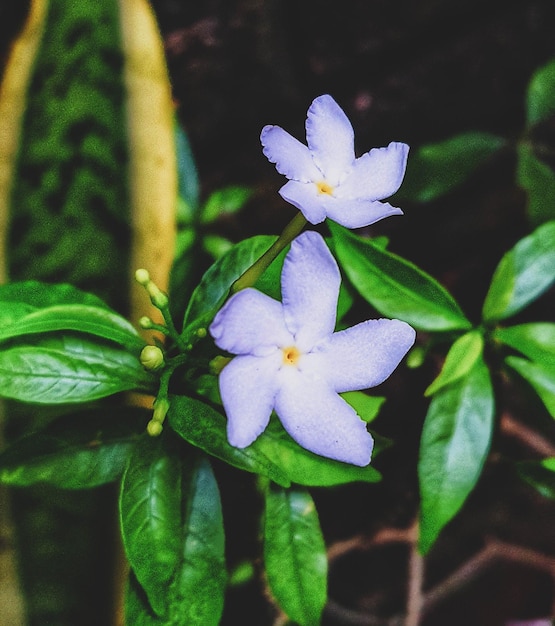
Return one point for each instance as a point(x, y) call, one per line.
point(138, 611)
point(435, 169)
point(68, 369)
point(539, 474)
point(224, 202)
point(306, 468)
point(394, 286)
point(216, 282)
point(538, 180)
point(535, 340)
point(459, 361)
point(367, 407)
point(540, 101)
point(198, 589)
point(216, 246)
point(540, 376)
point(204, 427)
point(453, 448)
point(151, 524)
point(172, 528)
point(295, 554)
point(39, 295)
point(187, 177)
point(76, 451)
point(523, 274)
point(78, 317)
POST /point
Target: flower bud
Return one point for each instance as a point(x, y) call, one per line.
point(152, 358)
point(142, 277)
point(154, 428)
point(146, 323)
point(217, 364)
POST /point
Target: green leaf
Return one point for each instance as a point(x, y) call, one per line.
point(295, 554)
point(540, 102)
point(40, 295)
point(459, 361)
point(78, 317)
point(187, 177)
point(224, 202)
point(76, 451)
point(367, 407)
point(173, 534)
point(204, 427)
point(150, 511)
point(306, 468)
point(435, 169)
point(539, 474)
point(453, 448)
point(538, 180)
point(68, 369)
point(197, 592)
point(523, 274)
point(394, 286)
point(540, 376)
point(216, 282)
point(138, 611)
point(534, 340)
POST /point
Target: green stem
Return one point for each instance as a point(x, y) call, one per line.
point(255, 271)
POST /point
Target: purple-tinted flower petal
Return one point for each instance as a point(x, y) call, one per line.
point(250, 323)
point(322, 422)
point(291, 157)
point(330, 137)
point(377, 174)
point(366, 354)
point(355, 213)
point(310, 282)
point(248, 386)
point(306, 198)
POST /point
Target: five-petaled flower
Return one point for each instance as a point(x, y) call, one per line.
point(325, 178)
point(289, 359)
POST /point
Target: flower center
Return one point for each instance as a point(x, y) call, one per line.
point(323, 187)
point(291, 355)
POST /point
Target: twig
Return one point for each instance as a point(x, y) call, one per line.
point(529, 437)
point(415, 581)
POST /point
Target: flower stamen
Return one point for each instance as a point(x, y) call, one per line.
point(291, 355)
point(324, 188)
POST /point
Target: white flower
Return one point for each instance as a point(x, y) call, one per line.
point(290, 359)
point(325, 178)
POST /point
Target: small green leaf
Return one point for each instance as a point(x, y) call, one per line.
point(216, 282)
point(459, 361)
point(187, 177)
point(172, 528)
point(394, 286)
point(453, 448)
point(198, 589)
point(523, 274)
point(540, 376)
point(74, 370)
point(295, 554)
point(202, 426)
point(78, 317)
point(534, 340)
point(40, 295)
point(435, 169)
point(539, 474)
point(216, 246)
point(150, 511)
point(224, 202)
point(76, 451)
point(540, 103)
point(306, 468)
point(538, 180)
point(367, 407)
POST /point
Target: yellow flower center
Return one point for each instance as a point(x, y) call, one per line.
point(291, 355)
point(323, 187)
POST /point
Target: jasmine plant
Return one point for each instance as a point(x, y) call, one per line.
point(264, 372)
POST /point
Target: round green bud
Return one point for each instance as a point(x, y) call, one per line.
point(201, 333)
point(145, 322)
point(142, 277)
point(217, 364)
point(154, 428)
point(158, 298)
point(152, 358)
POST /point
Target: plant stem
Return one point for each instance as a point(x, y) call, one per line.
point(255, 271)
